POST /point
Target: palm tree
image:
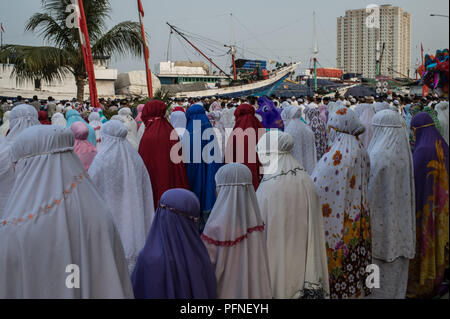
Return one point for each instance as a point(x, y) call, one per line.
point(63, 51)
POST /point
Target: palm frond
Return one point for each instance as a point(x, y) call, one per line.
point(30, 63)
point(121, 39)
point(47, 27)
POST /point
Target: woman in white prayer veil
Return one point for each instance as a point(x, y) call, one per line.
point(131, 126)
point(291, 210)
point(442, 110)
point(392, 204)
point(58, 239)
point(59, 120)
point(228, 118)
point(5, 126)
point(178, 121)
point(121, 176)
point(366, 115)
point(21, 117)
point(304, 149)
point(235, 237)
point(6, 174)
point(96, 123)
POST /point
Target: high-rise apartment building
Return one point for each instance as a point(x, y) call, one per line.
point(361, 35)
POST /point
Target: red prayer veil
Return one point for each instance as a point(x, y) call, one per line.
point(43, 118)
point(245, 119)
point(155, 151)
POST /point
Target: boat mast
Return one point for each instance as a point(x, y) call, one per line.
point(233, 49)
point(197, 49)
point(316, 51)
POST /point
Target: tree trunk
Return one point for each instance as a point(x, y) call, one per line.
point(80, 88)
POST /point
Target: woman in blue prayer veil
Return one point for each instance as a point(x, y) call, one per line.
point(202, 158)
point(73, 116)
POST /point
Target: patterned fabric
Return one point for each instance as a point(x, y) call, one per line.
point(319, 129)
point(341, 178)
point(434, 116)
point(431, 167)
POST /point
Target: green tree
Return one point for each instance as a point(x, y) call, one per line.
point(63, 52)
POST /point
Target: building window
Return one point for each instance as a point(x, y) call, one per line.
point(37, 84)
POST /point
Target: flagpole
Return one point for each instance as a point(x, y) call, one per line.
point(148, 71)
point(87, 54)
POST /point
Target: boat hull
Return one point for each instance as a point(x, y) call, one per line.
point(265, 87)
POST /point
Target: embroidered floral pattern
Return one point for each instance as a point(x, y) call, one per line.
point(230, 243)
point(341, 111)
point(45, 209)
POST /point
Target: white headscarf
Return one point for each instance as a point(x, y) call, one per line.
point(59, 120)
point(96, 123)
point(442, 110)
point(295, 235)
point(121, 176)
point(21, 117)
point(6, 174)
point(228, 118)
point(366, 115)
point(178, 121)
point(235, 237)
point(131, 126)
point(5, 126)
point(55, 218)
point(304, 149)
point(391, 189)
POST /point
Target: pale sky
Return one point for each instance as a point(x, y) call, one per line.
point(277, 30)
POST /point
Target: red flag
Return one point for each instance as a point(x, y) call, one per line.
point(421, 50)
point(87, 55)
point(141, 8)
point(146, 51)
point(3, 30)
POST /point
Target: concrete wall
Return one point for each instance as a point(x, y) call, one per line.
point(65, 89)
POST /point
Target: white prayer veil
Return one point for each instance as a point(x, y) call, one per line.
point(291, 113)
point(304, 139)
point(442, 110)
point(228, 118)
point(380, 106)
point(295, 234)
point(178, 121)
point(235, 237)
point(59, 120)
point(21, 117)
point(6, 174)
point(391, 189)
point(131, 126)
point(121, 176)
point(96, 123)
point(5, 126)
point(56, 225)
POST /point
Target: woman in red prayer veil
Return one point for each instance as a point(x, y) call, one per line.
point(43, 118)
point(155, 149)
point(245, 119)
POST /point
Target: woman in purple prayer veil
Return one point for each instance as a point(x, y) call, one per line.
point(174, 263)
point(431, 166)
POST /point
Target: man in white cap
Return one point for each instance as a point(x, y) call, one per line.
point(294, 101)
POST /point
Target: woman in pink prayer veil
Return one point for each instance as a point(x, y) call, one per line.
point(85, 150)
